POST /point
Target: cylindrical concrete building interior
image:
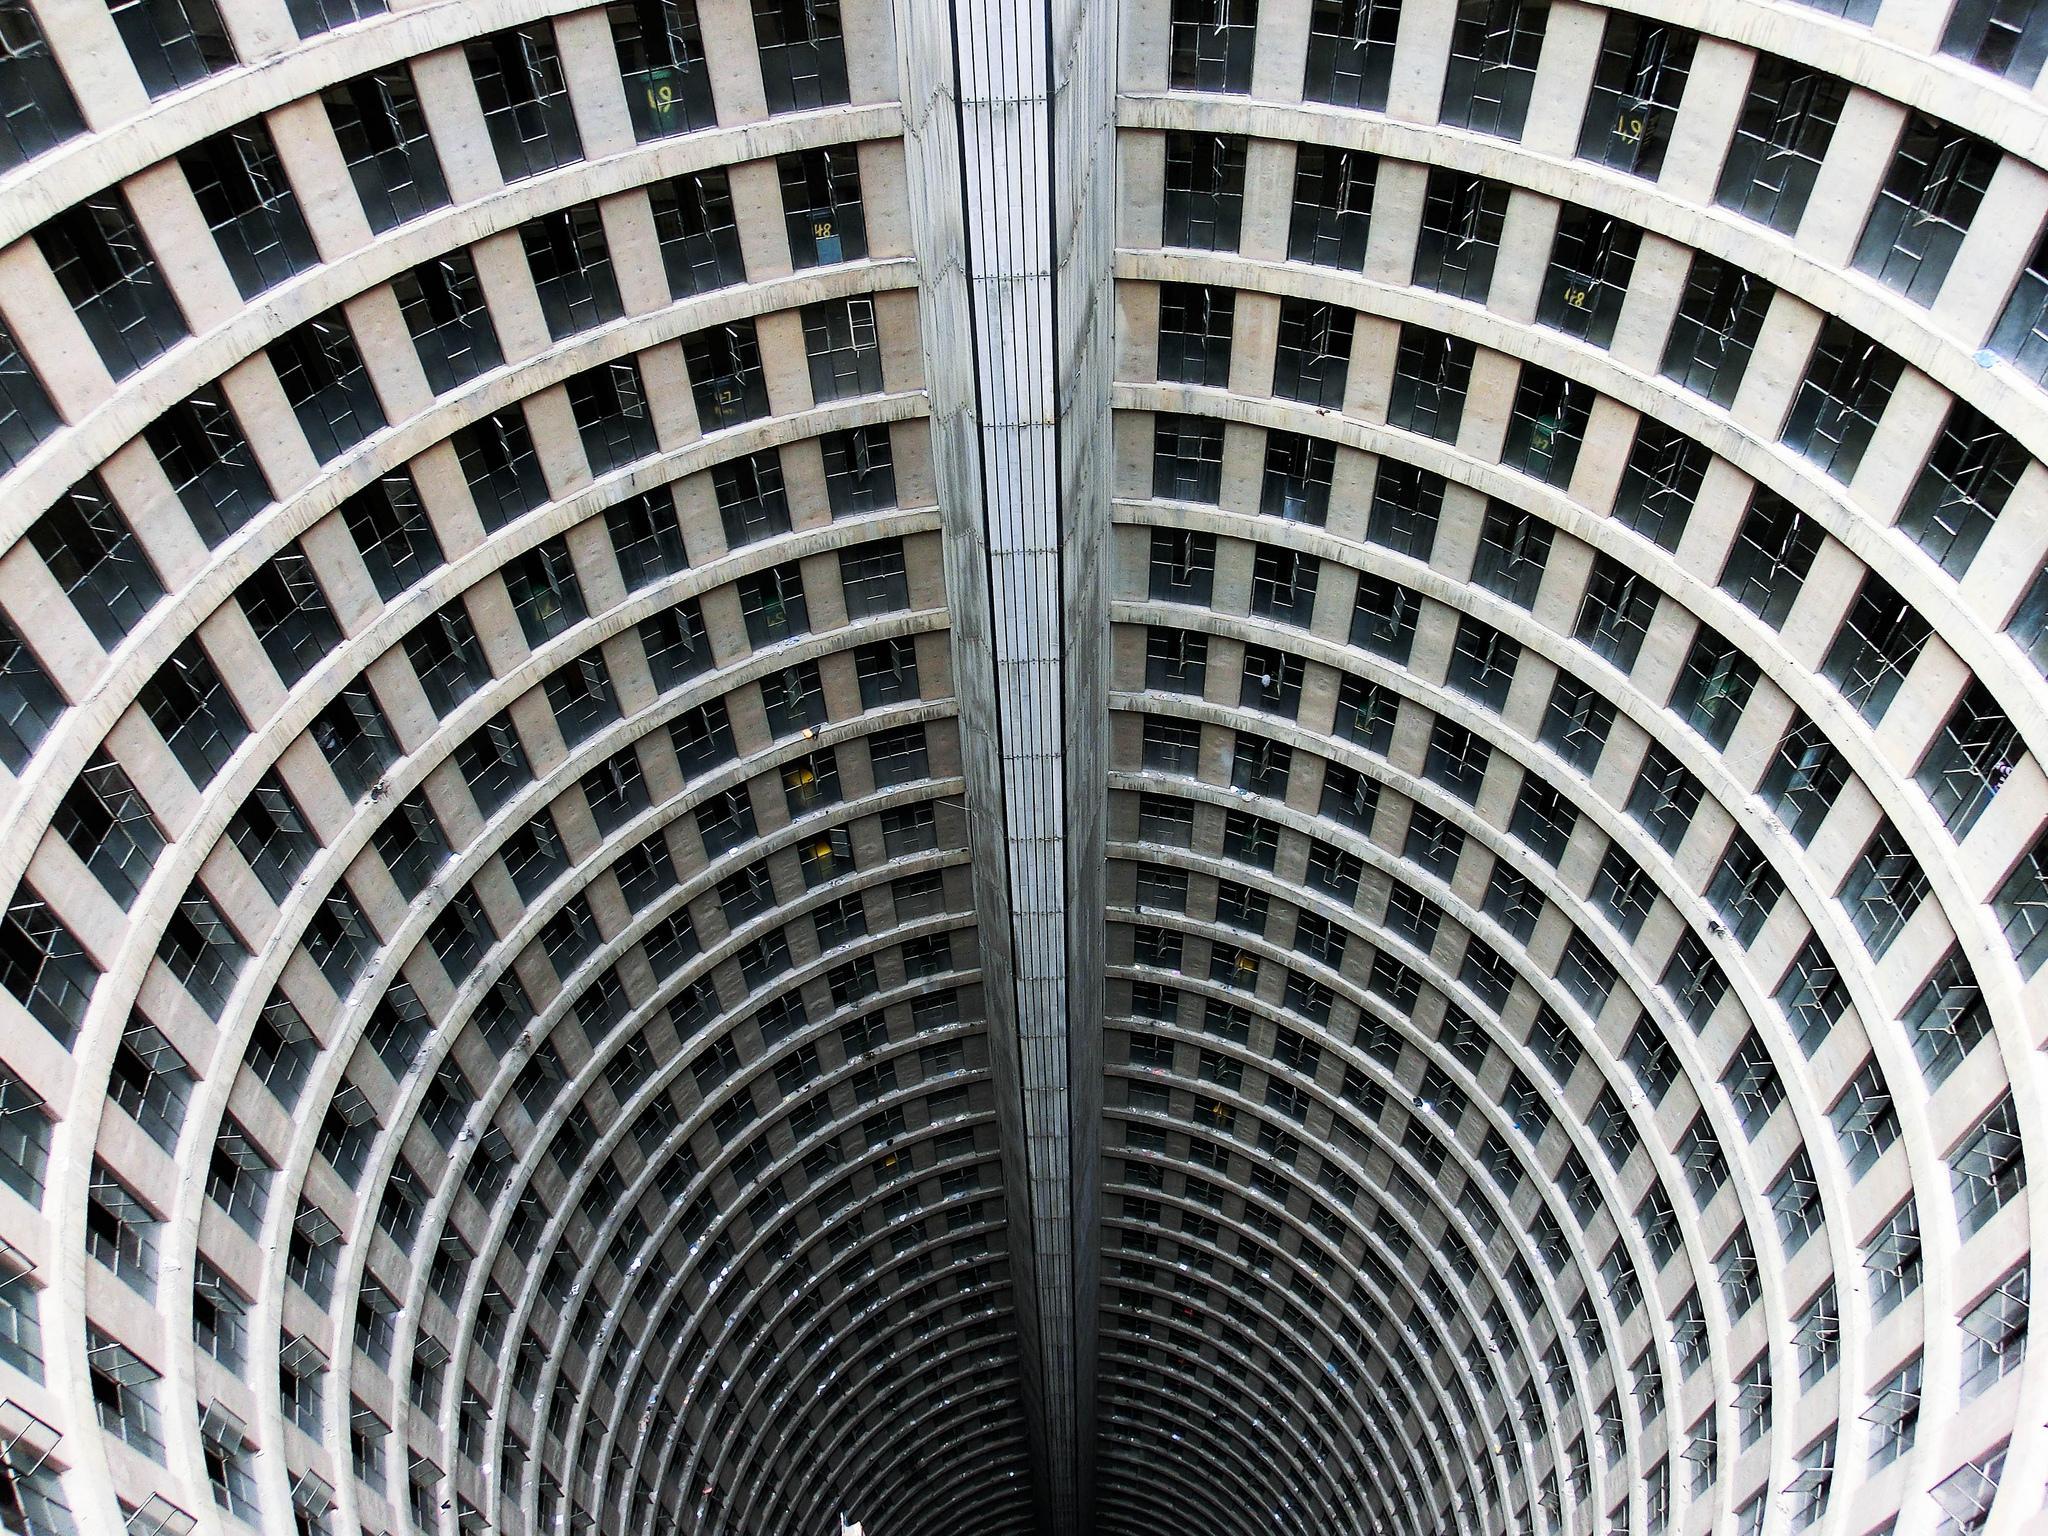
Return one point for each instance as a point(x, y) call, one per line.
point(1167, 768)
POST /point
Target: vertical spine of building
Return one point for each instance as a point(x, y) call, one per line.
point(1010, 203)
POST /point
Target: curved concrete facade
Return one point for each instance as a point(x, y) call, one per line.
point(1231, 764)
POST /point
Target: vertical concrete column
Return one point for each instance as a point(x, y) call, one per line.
point(1010, 146)
point(932, 155)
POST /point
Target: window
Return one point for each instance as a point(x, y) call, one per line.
point(793, 698)
point(612, 415)
point(124, 1393)
point(1431, 372)
point(1297, 476)
point(1211, 44)
point(860, 470)
point(192, 710)
point(844, 347)
point(120, 1231)
point(329, 389)
point(702, 738)
point(1351, 52)
point(898, 756)
point(1272, 682)
point(1187, 457)
point(446, 656)
point(751, 501)
point(353, 735)
point(1936, 182)
point(1781, 138)
point(676, 644)
point(29, 702)
point(1805, 775)
point(1284, 585)
point(109, 826)
point(572, 269)
point(1970, 759)
point(43, 965)
point(1660, 483)
point(1183, 566)
point(219, 1313)
point(1547, 425)
point(1194, 334)
point(250, 207)
point(392, 533)
point(40, 112)
point(1744, 887)
point(1848, 382)
point(873, 578)
point(1772, 553)
point(1313, 356)
point(410, 844)
point(1333, 191)
point(1576, 721)
point(1513, 548)
point(500, 466)
point(887, 672)
point(89, 548)
point(271, 834)
point(646, 541)
point(1714, 687)
point(1741, 1287)
point(1434, 843)
point(726, 381)
point(2021, 335)
point(238, 1178)
point(1176, 661)
point(1492, 66)
point(772, 602)
point(544, 591)
point(386, 145)
point(24, 1154)
point(200, 445)
point(1462, 219)
point(103, 262)
point(615, 790)
point(822, 208)
point(1966, 1494)
point(1795, 1200)
point(1204, 190)
point(1719, 318)
point(700, 243)
point(1995, 1334)
point(1615, 612)
point(1457, 760)
point(1875, 648)
point(202, 951)
point(26, 414)
point(1543, 819)
point(444, 310)
point(2006, 37)
point(1946, 1019)
point(580, 693)
point(1958, 496)
point(1988, 1169)
point(312, 17)
point(173, 43)
point(525, 98)
point(662, 66)
point(1591, 261)
point(1811, 995)
point(1636, 89)
point(1865, 1120)
point(1483, 662)
point(2029, 625)
point(803, 58)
